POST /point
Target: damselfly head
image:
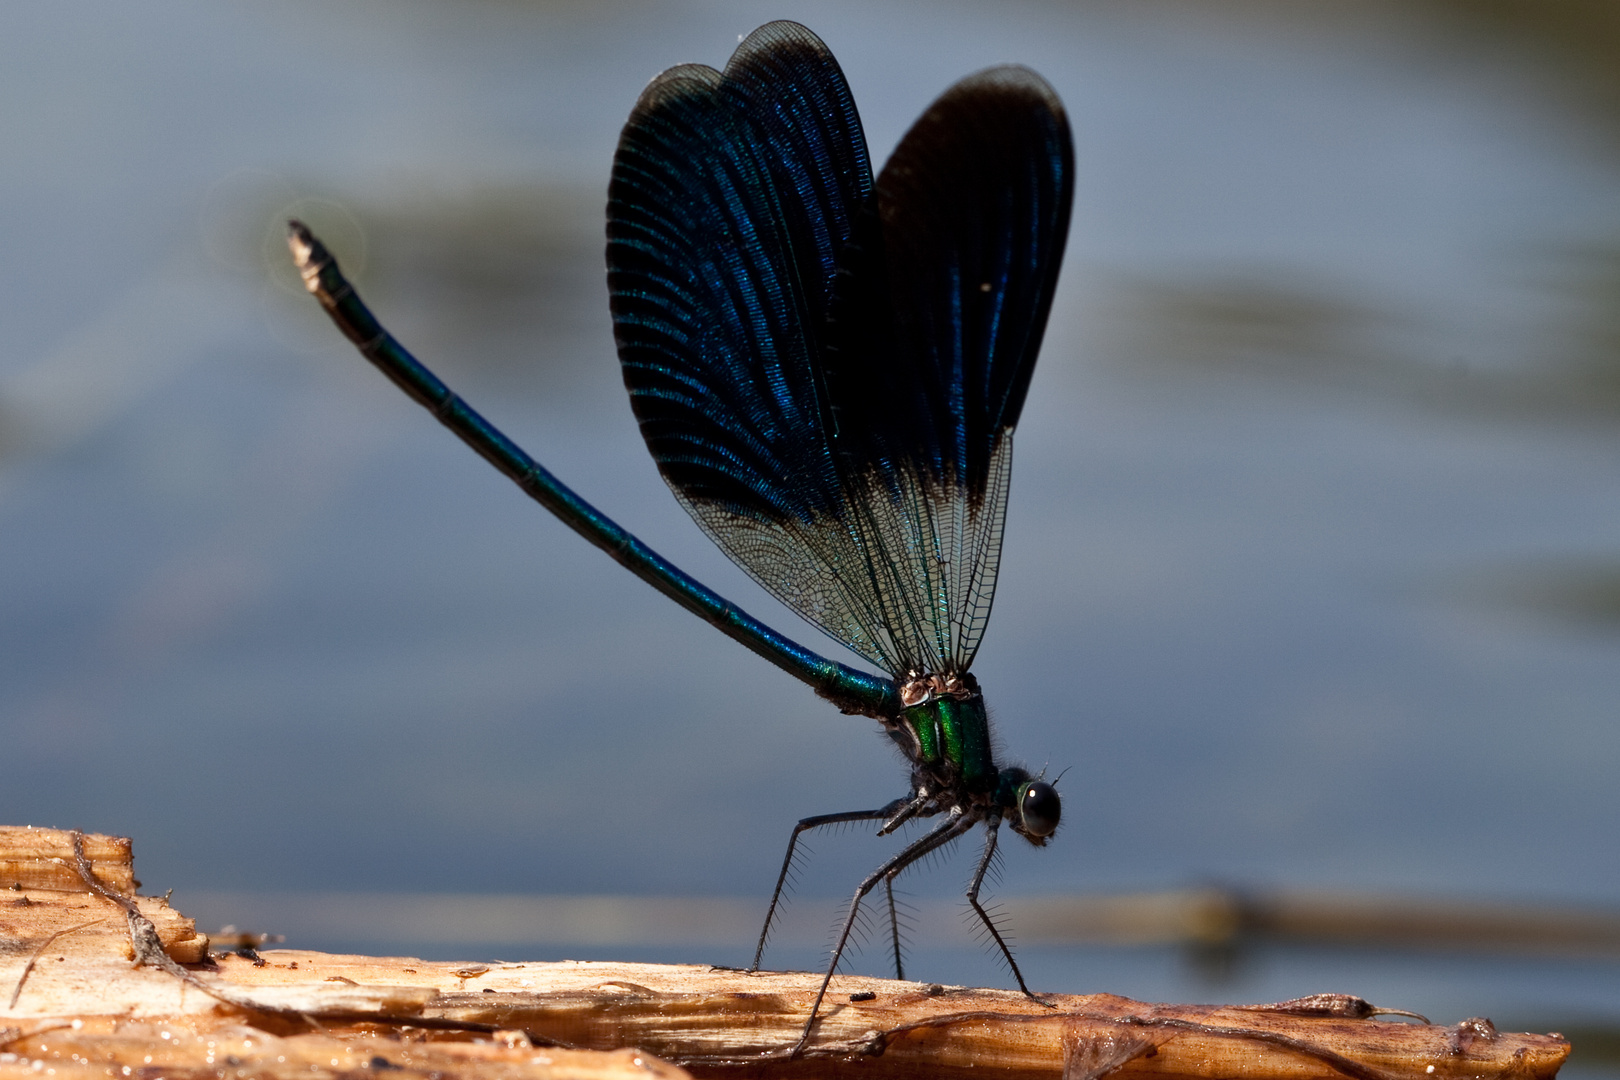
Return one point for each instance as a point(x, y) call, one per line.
point(1039, 811)
point(1031, 805)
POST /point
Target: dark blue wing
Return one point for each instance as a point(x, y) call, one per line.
point(732, 199)
point(937, 324)
point(732, 196)
point(827, 375)
point(973, 213)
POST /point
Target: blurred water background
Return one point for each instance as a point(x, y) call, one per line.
point(1312, 572)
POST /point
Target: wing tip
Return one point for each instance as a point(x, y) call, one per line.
point(672, 83)
point(776, 36)
point(1013, 81)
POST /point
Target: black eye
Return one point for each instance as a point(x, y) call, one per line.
point(1040, 808)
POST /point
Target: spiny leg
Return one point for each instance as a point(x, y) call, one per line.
point(957, 824)
point(914, 806)
point(886, 813)
point(894, 929)
point(919, 804)
point(990, 827)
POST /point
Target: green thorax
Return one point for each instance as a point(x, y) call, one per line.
point(951, 734)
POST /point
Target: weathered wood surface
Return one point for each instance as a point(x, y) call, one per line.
point(33, 858)
point(42, 894)
point(194, 1048)
point(85, 1009)
point(725, 1020)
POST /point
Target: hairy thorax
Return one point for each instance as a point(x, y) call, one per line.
point(944, 731)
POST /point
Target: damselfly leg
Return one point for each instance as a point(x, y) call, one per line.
point(889, 815)
point(954, 826)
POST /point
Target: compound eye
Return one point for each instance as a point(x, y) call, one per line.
point(1040, 808)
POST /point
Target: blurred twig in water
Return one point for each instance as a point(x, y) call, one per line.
point(1577, 42)
point(1287, 333)
point(1206, 918)
point(1270, 325)
point(1220, 917)
point(1577, 592)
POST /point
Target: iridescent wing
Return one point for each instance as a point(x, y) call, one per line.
point(934, 345)
point(828, 373)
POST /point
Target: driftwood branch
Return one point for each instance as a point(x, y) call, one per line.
point(80, 1006)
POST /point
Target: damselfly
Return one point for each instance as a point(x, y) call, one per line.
point(827, 369)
